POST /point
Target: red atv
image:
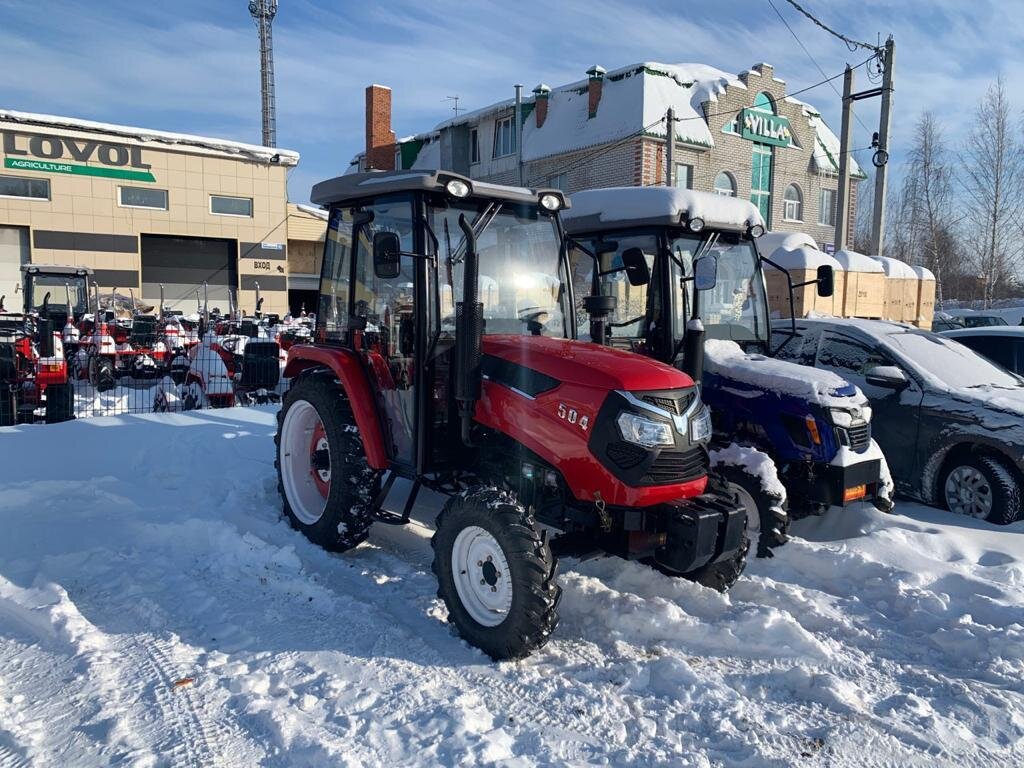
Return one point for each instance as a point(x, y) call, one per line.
point(545, 445)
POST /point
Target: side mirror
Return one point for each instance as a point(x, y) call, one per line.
point(826, 281)
point(635, 263)
point(387, 255)
point(705, 273)
point(888, 376)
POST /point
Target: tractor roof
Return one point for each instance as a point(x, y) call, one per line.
point(55, 269)
point(617, 207)
point(353, 186)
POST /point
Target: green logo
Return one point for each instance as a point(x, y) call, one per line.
point(49, 166)
point(765, 128)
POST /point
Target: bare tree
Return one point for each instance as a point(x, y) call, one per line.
point(865, 211)
point(993, 183)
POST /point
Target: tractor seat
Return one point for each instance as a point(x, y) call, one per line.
point(261, 368)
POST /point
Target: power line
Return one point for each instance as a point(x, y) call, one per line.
point(850, 43)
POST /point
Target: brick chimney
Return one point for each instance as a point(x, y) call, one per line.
point(595, 83)
point(540, 98)
point(380, 139)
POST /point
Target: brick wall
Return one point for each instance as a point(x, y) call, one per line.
point(380, 139)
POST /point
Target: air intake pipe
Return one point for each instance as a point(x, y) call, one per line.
point(469, 324)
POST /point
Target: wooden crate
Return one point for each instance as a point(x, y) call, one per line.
point(805, 298)
point(864, 295)
point(925, 304)
point(911, 290)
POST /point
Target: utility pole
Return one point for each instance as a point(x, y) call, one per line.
point(263, 12)
point(519, 131)
point(670, 146)
point(881, 156)
point(843, 194)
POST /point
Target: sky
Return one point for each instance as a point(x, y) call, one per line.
point(192, 66)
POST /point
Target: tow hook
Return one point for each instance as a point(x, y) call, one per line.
point(602, 513)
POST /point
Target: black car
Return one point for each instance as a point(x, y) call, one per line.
point(943, 322)
point(1003, 345)
point(950, 422)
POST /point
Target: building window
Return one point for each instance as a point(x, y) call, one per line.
point(504, 137)
point(793, 204)
point(827, 208)
point(725, 184)
point(684, 176)
point(761, 180)
point(142, 197)
point(18, 186)
point(474, 145)
point(764, 103)
point(557, 182)
point(222, 205)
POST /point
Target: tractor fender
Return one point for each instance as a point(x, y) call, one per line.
point(346, 367)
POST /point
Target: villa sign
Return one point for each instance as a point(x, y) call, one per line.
point(765, 128)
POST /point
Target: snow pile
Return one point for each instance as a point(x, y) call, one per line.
point(801, 258)
point(923, 273)
point(727, 359)
point(895, 268)
point(667, 204)
point(250, 151)
point(169, 617)
point(755, 463)
point(771, 241)
point(852, 261)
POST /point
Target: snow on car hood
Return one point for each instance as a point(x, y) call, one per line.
point(727, 359)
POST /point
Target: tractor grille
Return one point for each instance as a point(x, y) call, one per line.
point(857, 437)
point(673, 402)
point(625, 455)
point(677, 467)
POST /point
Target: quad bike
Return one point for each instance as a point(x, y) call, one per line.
point(783, 433)
point(545, 445)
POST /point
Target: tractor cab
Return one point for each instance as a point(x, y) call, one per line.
point(57, 293)
point(444, 352)
point(676, 274)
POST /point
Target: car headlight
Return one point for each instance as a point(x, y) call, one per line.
point(640, 430)
point(700, 427)
point(840, 417)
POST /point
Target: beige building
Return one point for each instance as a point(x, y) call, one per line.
point(307, 228)
point(144, 208)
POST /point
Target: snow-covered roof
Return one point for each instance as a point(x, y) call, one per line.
point(857, 262)
point(801, 257)
point(923, 273)
point(896, 268)
point(826, 153)
point(312, 210)
point(249, 151)
point(666, 205)
point(770, 241)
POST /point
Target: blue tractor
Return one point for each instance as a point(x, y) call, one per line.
point(676, 275)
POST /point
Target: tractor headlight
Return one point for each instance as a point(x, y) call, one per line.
point(457, 188)
point(700, 427)
point(696, 224)
point(550, 202)
point(756, 230)
point(640, 430)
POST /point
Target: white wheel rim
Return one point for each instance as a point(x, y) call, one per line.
point(297, 470)
point(968, 492)
point(747, 502)
point(481, 575)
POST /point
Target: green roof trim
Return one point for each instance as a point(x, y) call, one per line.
point(528, 107)
point(858, 174)
point(410, 150)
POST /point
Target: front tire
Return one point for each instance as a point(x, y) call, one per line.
point(495, 573)
point(983, 487)
point(323, 476)
point(767, 519)
point(722, 575)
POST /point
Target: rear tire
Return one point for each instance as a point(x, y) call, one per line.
point(495, 573)
point(60, 403)
point(767, 520)
point(323, 476)
point(101, 373)
point(982, 486)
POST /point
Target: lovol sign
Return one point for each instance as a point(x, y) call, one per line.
point(43, 152)
point(765, 128)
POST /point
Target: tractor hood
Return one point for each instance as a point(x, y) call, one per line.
point(583, 363)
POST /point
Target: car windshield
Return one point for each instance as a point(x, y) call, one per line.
point(54, 285)
point(521, 274)
point(736, 308)
point(950, 362)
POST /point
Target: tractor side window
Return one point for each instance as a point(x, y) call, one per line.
point(332, 315)
point(628, 319)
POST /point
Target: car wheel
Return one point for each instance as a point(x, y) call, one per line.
point(983, 487)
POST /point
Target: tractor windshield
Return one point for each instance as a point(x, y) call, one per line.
point(605, 255)
point(521, 272)
point(58, 287)
point(736, 308)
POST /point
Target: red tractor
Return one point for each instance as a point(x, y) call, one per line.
point(444, 353)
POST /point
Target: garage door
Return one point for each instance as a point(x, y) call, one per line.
point(13, 253)
point(182, 264)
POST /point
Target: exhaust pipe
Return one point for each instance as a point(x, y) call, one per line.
point(163, 311)
point(469, 322)
point(259, 300)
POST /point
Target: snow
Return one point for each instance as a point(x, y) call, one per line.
point(155, 610)
point(923, 273)
point(726, 358)
point(827, 148)
point(895, 268)
point(250, 151)
point(637, 203)
point(852, 261)
point(771, 241)
point(429, 155)
point(755, 463)
point(803, 257)
point(312, 210)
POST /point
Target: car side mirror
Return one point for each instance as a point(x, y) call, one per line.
point(826, 281)
point(387, 255)
point(635, 263)
point(888, 376)
point(705, 273)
